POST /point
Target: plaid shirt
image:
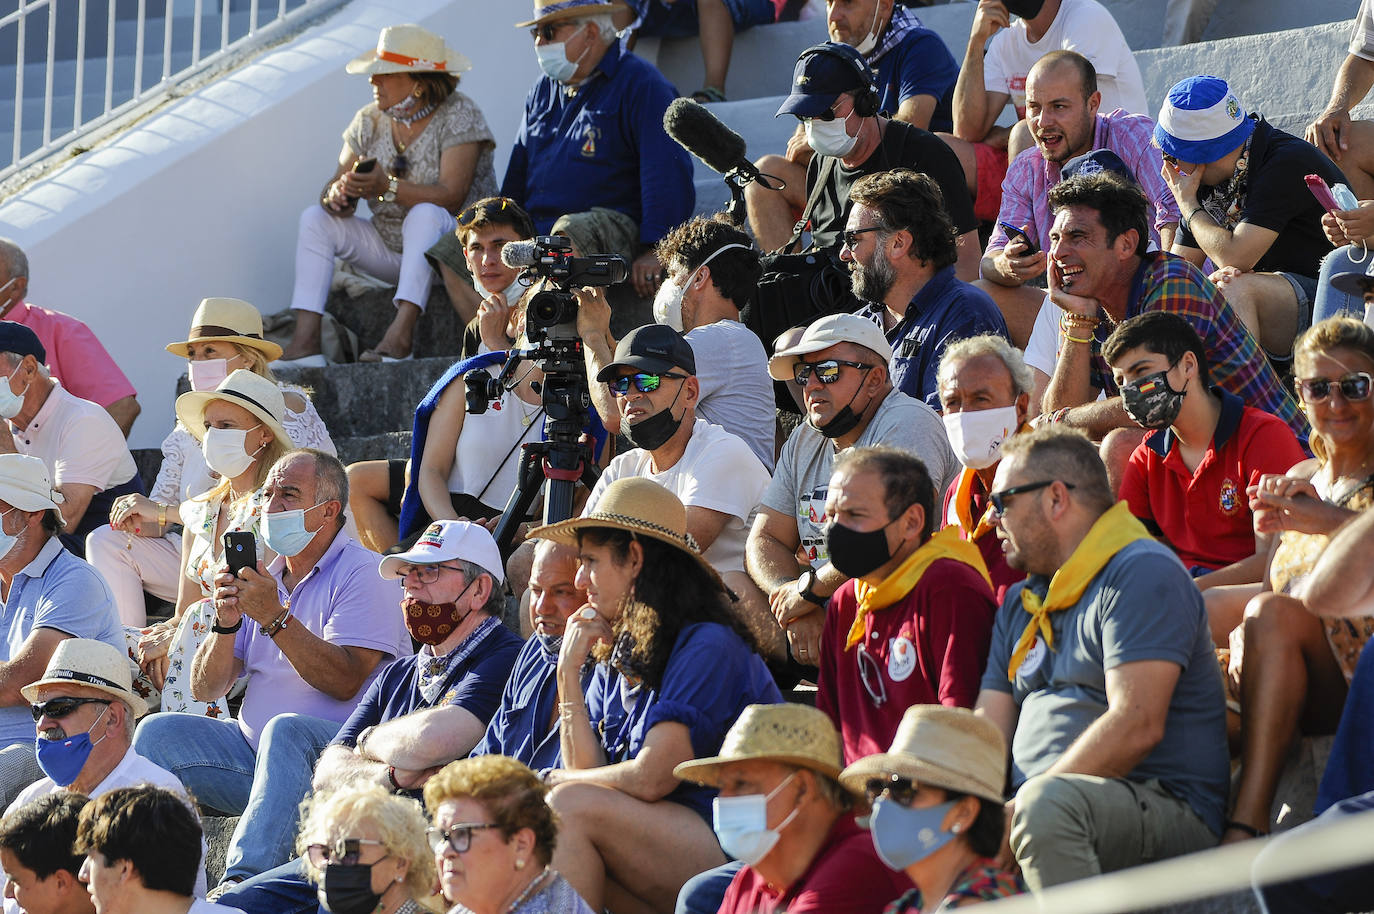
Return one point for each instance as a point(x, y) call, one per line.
point(982, 881)
point(1025, 190)
point(1166, 282)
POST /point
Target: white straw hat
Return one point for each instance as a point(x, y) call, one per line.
point(94, 665)
point(409, 49)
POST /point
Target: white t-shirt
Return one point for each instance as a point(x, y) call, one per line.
point(78, 442)
point(1084, 26)
point(1042, 349)
point(716, 471)
point(487, 462)
point(1362, 31)
point(736, 391)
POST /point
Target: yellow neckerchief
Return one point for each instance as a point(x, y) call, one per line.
point(946, 544)
point(963, 507)
point(1116, 529)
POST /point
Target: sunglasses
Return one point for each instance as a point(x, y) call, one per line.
point(58, 708)
point(851, 236)
point(829, 114)
point(458, 837)
point(427, 574)
point(1354, 387)
point(644, 383)
point(343, 852)
point(900, 790)
point(483, 208)
point(548, 30)
point(399, 166)
point(999, 499)
point(827, 372)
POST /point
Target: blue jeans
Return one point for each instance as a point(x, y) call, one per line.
point(1328, 301)
point(218, 767)
point(703, 893)
point(283, 890)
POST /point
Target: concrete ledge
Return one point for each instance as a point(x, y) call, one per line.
point(364, 399)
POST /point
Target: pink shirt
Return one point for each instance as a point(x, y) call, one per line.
point(75, 356)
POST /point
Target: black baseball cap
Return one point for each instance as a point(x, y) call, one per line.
point(1353, 282)
point(20, 340)
point(1096, 162)
point(824, 72)
point(652, 348)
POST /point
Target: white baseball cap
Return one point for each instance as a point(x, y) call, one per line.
point(826, 332)
point(445, 540)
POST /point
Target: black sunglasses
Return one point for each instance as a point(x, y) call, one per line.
point(644, 383)
point(999, 499)
point(851, 236)
point(829, 113)
point(481, 208)
point(58, 708)
point(458, 837)
point(548, 30)
point(827, 371)
point(900, 790)
point(1354, 387)
point(344, 852)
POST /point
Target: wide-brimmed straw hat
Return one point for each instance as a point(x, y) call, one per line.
point(556, 10)
point(950, 748)
point(409, 49)
point(93, 664)
point(634, 504)
point(253, 392)
point(227, 320)
point(788, 733)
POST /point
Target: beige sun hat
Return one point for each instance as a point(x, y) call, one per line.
point(26, 485)
point(227, 320)
point(788, 733)
point(253, 392)
point(93, 664)
point(557, 10)
point(634, 504)
point(951, 748)
point(409, 49)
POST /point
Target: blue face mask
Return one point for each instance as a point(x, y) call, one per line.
point(553, 60)
point(63, 759)
point(6, 540)
point(904, 835)
point(285, 532)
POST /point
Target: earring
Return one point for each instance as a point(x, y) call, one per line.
point(519, 864)
point(956, 828)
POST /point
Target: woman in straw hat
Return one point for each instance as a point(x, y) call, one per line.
point(239, 425)
point(937, 805)
point(675, 670)
point(431, 155)
point(138, 551)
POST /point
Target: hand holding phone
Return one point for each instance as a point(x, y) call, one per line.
point(240, 551)
point(1015, 233)
point(1323, 193)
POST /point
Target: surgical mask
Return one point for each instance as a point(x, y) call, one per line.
point(511, 292)
point(347, 889)
point(8, 284)
point(553, 60)
point(207, 374)
point(903, 835)
point(284, 532)
point(63, 759)
point(976, 436)
point(1026, 9)
point(226, 451)
point(829, 138)
point(668, 301)
point(653, 432)
point(855, 553)
point(6, 540)
point(741, 824)
point(11, 403)
point(1151, 402)
point(870, 41)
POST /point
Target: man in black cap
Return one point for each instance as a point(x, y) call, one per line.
point(835, 98)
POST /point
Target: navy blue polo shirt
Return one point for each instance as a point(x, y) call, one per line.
point(920, 65)
point(524, 727)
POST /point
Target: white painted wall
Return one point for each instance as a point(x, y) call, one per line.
point(202, 198)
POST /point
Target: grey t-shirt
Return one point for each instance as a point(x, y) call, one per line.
point(736, 391)
point(1141, 606)
point(802, 476)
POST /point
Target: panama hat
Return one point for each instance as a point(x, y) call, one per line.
point(93, 664)
point(789, 733)
point(409, 49)
point(253, 392)
point(25, 484)
point(557, 10)
point(950, 748)
point(227, 320)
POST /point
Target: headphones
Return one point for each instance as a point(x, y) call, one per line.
point(866, 100)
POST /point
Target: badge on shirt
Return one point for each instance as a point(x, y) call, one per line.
point(1229, 497)
point(901, 658)
point(589, 142)
point(1033, 659)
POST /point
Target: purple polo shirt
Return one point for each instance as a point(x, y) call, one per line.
point(341, 600)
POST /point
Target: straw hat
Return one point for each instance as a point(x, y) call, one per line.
point(951, 748)
point(788, 733)
point(409, 49)
point(25, 484)
point(253, 392)
point(227, 320)
point(94, 665)
point(558, 10)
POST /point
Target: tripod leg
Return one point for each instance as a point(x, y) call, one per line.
point(530, 478)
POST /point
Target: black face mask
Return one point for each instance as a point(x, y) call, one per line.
point(652, 433)
point(1026, 9)
point(1151, 402)
point(844, 421)
point(348, 889)
point(855, 554)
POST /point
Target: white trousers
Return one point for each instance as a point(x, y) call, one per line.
point(323, 236)
point(133, 564)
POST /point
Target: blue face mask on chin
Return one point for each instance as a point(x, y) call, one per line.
point(63, 759)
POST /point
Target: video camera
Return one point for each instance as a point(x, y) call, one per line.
point(552, 313)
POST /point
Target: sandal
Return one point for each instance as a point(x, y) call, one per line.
point(707, 95)
point(373, 356)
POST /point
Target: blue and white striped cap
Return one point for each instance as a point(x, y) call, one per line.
point(1201, 121)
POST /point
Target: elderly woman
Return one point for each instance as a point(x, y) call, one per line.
point(675, 670)
point(418, 154)
point(1293, 668)
point(493, 839)
point(937, 808)
point(365, 850)
point(138, 551)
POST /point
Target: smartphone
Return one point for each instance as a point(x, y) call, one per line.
point(1322, 192)
point(1016, 233)
point(363, 166)
point(240, 551)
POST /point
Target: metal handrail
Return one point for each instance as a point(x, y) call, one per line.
point(57, 133)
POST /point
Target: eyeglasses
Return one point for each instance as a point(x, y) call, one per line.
point(871, 675)
point(900, 790)
point(644, 383)
point(999, 499)
point(851, 236)
point(458, 837)
point(549, 29)
point(483, 208)
point(427, 574)
point(827, 371)
point(344, 852)
point(1354, 387)
point(58, 708)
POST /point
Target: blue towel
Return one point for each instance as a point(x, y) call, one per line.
point(1350, 768)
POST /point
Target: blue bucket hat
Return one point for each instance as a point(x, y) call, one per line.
point(823, 73)
point(1201, 121)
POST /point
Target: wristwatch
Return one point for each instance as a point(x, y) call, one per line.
point(805, 583)
point(390, 195)
point(225, 629)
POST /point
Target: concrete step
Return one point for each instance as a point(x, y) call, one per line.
point(384, 446)
point(364, 400)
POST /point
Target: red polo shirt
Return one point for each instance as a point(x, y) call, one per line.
point(1002, 574)
point(1205, 514)
point(928, 648)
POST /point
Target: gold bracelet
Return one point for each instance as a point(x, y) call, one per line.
point(161, 519)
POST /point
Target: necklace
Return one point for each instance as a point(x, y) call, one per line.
point(520, 899)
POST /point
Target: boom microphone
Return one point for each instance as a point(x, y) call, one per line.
point(517, 254)
point(703, 135)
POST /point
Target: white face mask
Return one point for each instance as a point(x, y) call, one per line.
point(870, 41)
point(553, 60)
point(226, 451)
point(668, 301)
point(741, 824)
point(976, 436)
point(7, 540)
point(285, 532)
point(11, 403)
point(207, 374)
point(512, 292)
point(829, 138)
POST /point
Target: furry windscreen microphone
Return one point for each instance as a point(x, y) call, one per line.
point(520, 253)
point(703, 135)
